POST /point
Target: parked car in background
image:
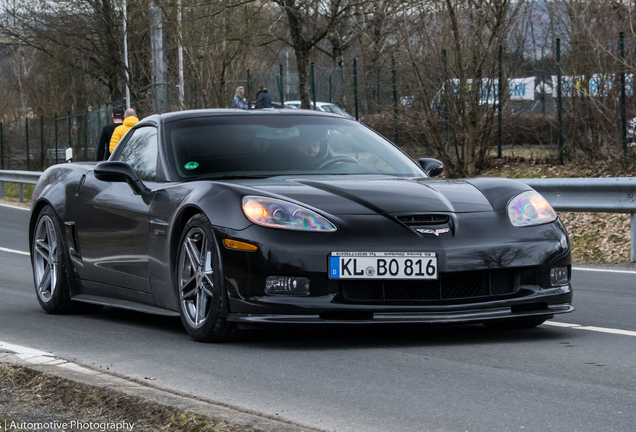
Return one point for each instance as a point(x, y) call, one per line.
point(322, 106)
point(631, 132)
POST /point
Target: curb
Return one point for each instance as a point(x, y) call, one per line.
point(46, 363)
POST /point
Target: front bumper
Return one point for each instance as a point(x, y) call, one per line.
point(528, 253)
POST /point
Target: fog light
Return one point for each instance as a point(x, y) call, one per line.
point(287, 285)
point(558, 276)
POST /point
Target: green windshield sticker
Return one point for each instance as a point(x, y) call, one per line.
point(191, 165)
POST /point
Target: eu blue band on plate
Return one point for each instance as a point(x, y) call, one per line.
point(334, 267)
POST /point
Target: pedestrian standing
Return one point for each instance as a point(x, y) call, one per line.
point(239, 99)
point(264, 100)
point(130, 119)
point(103, 152)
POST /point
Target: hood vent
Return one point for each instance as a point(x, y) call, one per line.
point(429, 219)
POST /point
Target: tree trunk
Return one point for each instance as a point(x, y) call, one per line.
point(302, 63)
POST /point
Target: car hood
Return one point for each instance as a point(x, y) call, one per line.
point(377, 195)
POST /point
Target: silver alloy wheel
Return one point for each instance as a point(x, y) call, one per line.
point(45, 258)
point(195, 278)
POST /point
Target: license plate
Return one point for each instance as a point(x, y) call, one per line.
point(383, 265)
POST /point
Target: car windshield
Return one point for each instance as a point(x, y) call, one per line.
point(270, 145)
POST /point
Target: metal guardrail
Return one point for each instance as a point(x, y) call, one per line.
point(587, 195)
point(19, 177)
point(594, 195)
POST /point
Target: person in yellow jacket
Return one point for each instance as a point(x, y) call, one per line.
point(130, 119)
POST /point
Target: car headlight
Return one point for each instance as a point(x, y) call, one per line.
point(273, 213)
point(530, 208)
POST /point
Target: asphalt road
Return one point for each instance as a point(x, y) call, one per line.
point(418, 378)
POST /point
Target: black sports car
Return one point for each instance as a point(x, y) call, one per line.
point(234, 218)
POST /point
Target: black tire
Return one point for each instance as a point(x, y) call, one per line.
point(515, 323)
point(48, 258)
point(199, 281)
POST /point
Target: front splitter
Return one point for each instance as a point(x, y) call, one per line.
point(405, 317)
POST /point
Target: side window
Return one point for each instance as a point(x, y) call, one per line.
point(141, 153)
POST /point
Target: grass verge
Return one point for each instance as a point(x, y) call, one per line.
point(34, 397)
point(12, 194)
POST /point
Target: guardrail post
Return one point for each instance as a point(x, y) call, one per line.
point(1, 190)
point(21, 189)
point(632, 221)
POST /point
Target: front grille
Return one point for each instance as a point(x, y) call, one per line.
point(449, 286)
point(430, 219)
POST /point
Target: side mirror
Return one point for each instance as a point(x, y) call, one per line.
point(116, 171)
point(432, 167)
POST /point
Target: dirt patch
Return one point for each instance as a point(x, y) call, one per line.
point(598, 238)
point(27, 396)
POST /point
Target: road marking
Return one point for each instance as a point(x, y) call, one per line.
point(15, 207)
point(18, 349)
point(34, 356)
point(604, 270)
point(591, 328)
point(14, 251)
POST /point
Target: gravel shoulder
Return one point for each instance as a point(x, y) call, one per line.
point(60, 396)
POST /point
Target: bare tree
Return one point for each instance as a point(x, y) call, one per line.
point(84, 35)
point(450, 49)
point(306, 23)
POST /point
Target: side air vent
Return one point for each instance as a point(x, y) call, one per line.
point(431, 219)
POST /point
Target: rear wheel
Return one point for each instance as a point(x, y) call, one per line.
point(515, 323)
point(202, 297)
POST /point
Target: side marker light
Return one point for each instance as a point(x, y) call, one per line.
point(239, 245)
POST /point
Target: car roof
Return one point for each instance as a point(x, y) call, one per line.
point(202, 113)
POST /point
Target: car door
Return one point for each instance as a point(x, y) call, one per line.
point(113, 224)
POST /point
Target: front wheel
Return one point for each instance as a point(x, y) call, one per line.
point(49, 264)
point(202, 298)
